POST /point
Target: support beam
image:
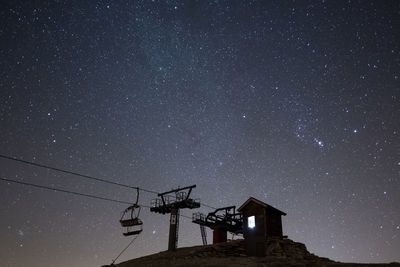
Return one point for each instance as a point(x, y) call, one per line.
point(176, 190)
point(173, 227)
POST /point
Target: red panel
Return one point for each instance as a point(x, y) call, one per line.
point(219, 235)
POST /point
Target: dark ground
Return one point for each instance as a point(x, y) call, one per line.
point(278, 253)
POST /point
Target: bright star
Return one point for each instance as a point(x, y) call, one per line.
point(319, 142)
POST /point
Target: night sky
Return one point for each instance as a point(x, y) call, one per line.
point(296, 103)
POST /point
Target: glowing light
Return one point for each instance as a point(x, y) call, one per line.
point(251, 222)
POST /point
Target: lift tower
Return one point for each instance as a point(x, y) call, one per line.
point(167, 203)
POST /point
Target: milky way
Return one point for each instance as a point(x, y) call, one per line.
point(295, 103)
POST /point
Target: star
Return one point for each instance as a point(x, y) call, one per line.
point(319, 142)
point(293, 104)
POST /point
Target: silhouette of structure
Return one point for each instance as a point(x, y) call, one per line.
point(203, 234)
point(130, 218)
point(221, 221)
point(172, 204)
point(260, 221)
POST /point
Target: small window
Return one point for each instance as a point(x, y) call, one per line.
point(251, 222)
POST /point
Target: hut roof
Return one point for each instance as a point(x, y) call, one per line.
point(259, 202)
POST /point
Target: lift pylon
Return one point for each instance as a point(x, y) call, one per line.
point(172, 204)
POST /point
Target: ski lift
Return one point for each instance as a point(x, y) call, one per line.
point(130, 219)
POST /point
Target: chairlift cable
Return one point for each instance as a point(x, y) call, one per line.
point(130, 243)
point(75, 173)
point(85, 176)
point(54, 189)
point(208, 206)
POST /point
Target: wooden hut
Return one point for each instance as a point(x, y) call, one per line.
point(260, 222)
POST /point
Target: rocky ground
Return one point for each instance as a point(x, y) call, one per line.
point(278, 253)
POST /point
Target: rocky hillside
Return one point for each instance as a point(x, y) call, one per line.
point(278, 253)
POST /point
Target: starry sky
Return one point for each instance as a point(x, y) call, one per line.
point(296, 103)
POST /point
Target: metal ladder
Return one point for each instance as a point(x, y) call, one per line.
point(203, 234)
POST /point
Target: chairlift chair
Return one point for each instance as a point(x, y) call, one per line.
point(130, 219)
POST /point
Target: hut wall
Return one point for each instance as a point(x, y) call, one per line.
point(274, 224)
point(254, 238)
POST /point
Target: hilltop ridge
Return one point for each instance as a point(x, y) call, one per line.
point(279, 252)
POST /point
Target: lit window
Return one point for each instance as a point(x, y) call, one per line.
point(251, 222)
